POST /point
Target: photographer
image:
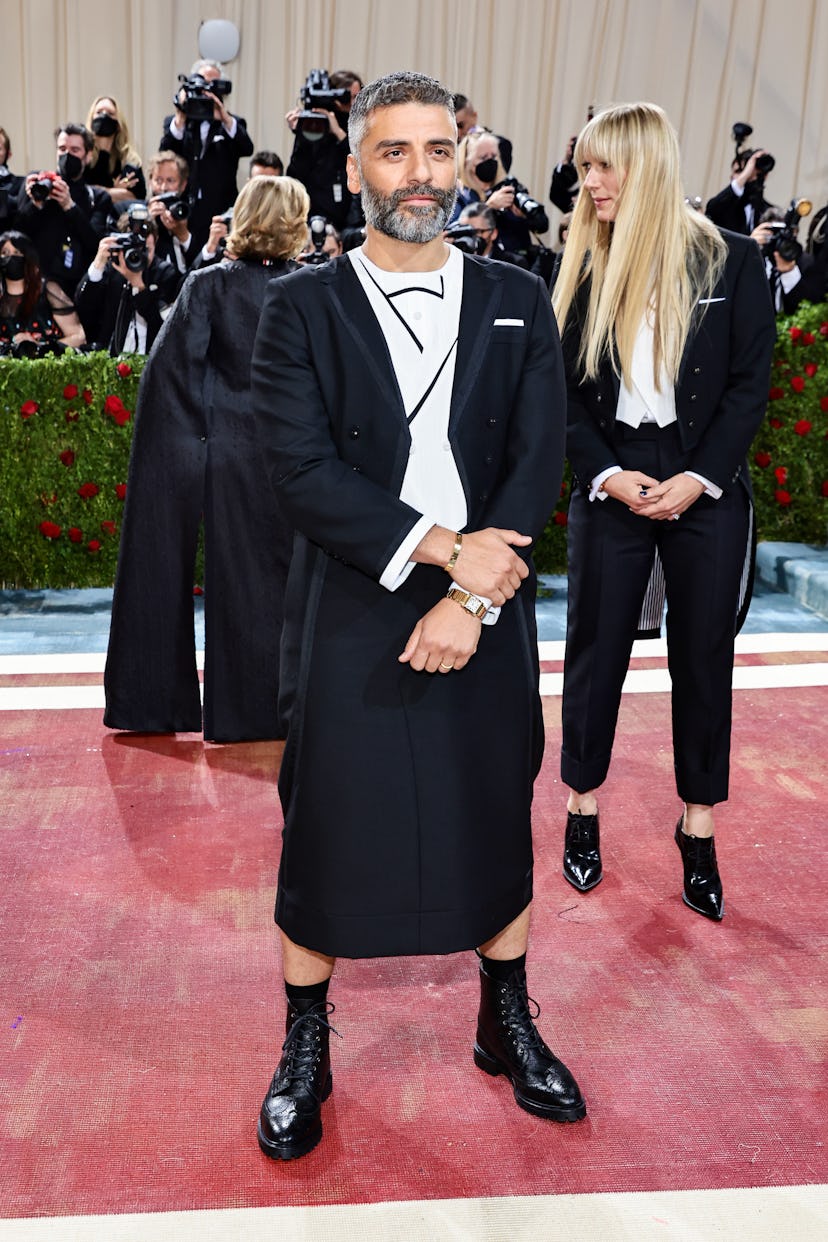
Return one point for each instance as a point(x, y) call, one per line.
point(10, 183)
point(65, 217)
point(211, 144)
point(740, 205)
point(483, 179)
point(169, 207)
point(564, 186)
point(324, 243)
point(793, 276)
point(476, 232)
point(266, 164)
point(320, 148)
point(113, 162)
point(465, 114)
point(124, 297)
point(33, 312)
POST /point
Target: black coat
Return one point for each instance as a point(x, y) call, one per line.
point(194, 458)
point(213, 172)
point(727, 211)
point(107, 307)
point(66, 241)
point(406, 797)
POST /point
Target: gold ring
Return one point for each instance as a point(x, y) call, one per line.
point(446, 666)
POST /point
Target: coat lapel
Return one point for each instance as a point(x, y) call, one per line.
point(361, 324)
point(482, 291)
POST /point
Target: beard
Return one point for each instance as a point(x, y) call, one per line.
point(419, 223)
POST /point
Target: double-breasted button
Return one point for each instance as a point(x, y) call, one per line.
point(354, 433)
point(489, 459)
point(693, 396)
point(599, 398)
point(602, 422)
point(691, 422)
point(697, 370)
point(357, 469)
point(491, 422)
point(203, 439)
point(483, 496)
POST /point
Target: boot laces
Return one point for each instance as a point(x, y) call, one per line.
point(520, 1013)
point(303, 1047)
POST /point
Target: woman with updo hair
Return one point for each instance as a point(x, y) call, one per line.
point(668, 335)
point(113, 163)
point(195, 460)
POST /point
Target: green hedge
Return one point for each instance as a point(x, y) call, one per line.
point(67, 427)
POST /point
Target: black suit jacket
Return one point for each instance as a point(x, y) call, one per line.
point(727, 211)
point(212, 181)
point(66, 241)
point(722, 387)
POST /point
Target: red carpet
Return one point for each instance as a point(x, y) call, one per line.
point(141, 996)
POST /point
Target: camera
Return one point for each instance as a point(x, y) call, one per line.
point(464, 237)
point(31, 349)
point(765, 163)
point(318, 93)
point(784, 241)
point(531, 208)
point(195, 89)
point(318, 233)
point(178, 207)
point(41, 188)
point(133, 243)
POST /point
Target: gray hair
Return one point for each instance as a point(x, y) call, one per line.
point(198, 65)
point(478, 211)
point(404, 86)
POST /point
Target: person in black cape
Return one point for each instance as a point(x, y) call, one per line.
point(194, 458)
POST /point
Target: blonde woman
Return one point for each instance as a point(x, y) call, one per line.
point(114, 163)
point(481, 178)
point(668, 334)
point(195, 459)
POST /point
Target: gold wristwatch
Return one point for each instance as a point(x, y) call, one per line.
point(470, 603)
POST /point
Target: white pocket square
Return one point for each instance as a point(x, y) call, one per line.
point(508, 323)
point(704, 301)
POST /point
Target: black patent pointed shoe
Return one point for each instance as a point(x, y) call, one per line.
point(582, 852)
point(702, 885)
point(508, 1043)
point(290, 1122)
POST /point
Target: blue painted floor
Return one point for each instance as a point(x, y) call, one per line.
point(52, 622)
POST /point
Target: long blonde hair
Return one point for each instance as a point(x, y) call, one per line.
point(658, 254)
point(121, 149)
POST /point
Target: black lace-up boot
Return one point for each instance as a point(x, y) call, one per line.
point(290, 1123)
point(582, 852)
point(508, 1043)
point(702, 885)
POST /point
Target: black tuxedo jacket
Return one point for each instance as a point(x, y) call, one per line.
point(727, 211)
point(722, 387)
point(212, 180)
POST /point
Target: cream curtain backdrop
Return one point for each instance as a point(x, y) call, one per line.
point(531, 67)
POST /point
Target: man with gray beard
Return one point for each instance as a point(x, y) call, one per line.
point(410, 405)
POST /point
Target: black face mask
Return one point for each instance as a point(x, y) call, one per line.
point(486, 170)
point(104, 125)
point(12, 266)
point(70, 167)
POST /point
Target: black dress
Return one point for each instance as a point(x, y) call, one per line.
point(194, 458)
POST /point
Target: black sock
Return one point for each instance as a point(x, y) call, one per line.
point(500, 970)
point(304, 998)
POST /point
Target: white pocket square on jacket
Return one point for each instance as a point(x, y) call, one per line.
point(704, 301)
point(508, 323)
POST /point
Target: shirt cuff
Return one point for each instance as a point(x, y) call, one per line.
point(491, 614)
point(737, 189)
point(176, 133)
point(595, 485)
point(710, 489)
point(95, 274)
point(230, 130)
point(400, 566)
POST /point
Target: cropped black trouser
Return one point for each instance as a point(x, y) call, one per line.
point(611, 552)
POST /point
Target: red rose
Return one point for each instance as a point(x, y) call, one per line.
point(560, 519)
point(797, 383)
point(776, 393)
point(796, 333)
point(825, 487)
point(563, 488)
point(823, 404)
point(49, 530)
point(87, 490)
point(75, 534)
point(28, 408)
point(124, 369)
point(197, 590)
point(811, 369)
point(94, 545)
point(762, 459)
point(802, 427)
point(808, 338)
point(122, 416)
point(776, 423)
point(108, 527)
point(781, 474)
point(113, 404)
point(72, 416)
point(87, 395)
point(782, 498)
point(67, 457)
point(823, 328)
point(120, 491)
point(70, 392)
